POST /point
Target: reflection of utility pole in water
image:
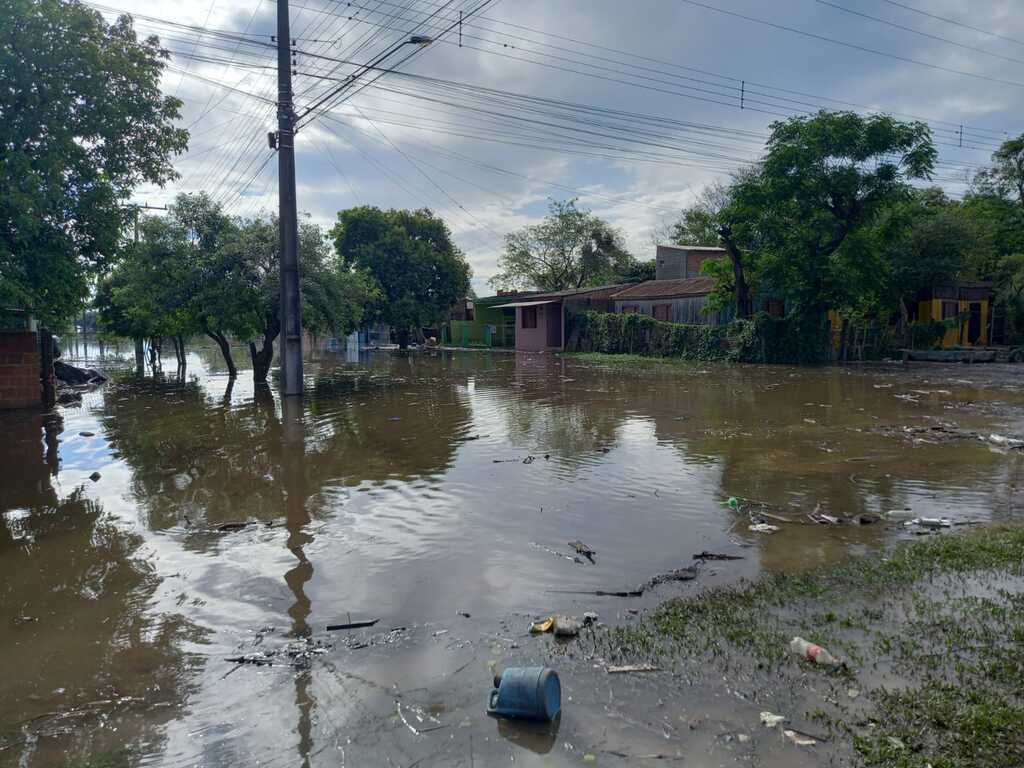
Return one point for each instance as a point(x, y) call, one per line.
point(293, 469)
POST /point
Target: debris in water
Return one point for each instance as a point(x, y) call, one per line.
point(233, 526)
point(763, 528)
point(545, 625)
point(352, 625)
point(733, 503)
point(822, 519)
point(464, 614)
point(800, 739)
point(93, 434)
point(630, 668)
point(932, 523)
point(705, 555)
point(556, 553)
point(770, 720)
point(566, 626)
point(812, 652)
point(583, 549)
point(529, 460)
point(94, 476)
point(590, 617)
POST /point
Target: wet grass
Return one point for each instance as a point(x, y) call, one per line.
point(630, 361)
point(932, 633)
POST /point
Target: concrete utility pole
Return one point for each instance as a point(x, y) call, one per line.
point(291, 317)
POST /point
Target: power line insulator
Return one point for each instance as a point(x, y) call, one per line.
point(272, 139)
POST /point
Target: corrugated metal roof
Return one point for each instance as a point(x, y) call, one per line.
point(691, 247)
point(668, 289)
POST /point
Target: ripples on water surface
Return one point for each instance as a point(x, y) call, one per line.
point(397, 489)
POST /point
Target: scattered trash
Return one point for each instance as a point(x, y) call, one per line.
point(420, 716)
point(352, 625)
point(583, 549)
point(822, 519)
point(996, 439)
point(763, 528)
point(800, 739)
point(566, 626)
point(687, 573)
point(94, 476)
point(528, 693)
point(932, 523)
point(556, 553)
point(529, 460)
point(590, 617)
point(630, 668)
point(812, 652)
point(464, 614)
point(733, 503)
point(441, 632)
point(896, 742)
point(742, 738)
point(770, 720)
point(93, 434)
point(545, 625)
point(853, 693)
point(233, 526)
point(810, 421)
point(705, 555)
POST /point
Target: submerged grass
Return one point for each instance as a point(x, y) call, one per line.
point(933, 633)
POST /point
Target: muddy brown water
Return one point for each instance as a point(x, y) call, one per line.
point(401, 489)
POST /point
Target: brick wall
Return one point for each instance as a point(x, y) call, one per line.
point(19, 370)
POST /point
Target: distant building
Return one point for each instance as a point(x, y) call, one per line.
point(481, 323)
point(678, 262)
point(672, 301)
point(971, 301)
point(540, 317)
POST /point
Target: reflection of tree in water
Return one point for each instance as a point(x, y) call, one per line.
point(543, 409)
point(213, 461)
point(87, 668)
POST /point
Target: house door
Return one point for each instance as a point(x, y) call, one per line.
point(554, 317)
point(974, 323)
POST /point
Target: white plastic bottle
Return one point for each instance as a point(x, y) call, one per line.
point(812, 652)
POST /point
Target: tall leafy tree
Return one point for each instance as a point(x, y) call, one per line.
point(1006, 176)
point(419, 271)
point(824, 178)
point(698, 224)
point(83, 122)
point(570, 248)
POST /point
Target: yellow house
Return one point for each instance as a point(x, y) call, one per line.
point(972, 302)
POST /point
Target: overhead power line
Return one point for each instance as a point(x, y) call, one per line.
point(954, 22)
point(918, 32)
point(854, 46)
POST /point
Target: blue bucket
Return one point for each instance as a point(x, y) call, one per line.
point(527, 693)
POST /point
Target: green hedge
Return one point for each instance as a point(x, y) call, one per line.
point(762, 339)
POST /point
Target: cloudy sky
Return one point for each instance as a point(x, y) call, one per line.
point(631, 106)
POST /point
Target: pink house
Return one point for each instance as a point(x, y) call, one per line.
point(540, 318)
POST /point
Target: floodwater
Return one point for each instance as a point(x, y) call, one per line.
point(437, 493)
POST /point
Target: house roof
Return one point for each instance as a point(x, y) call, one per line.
point(577, 291)
point(524, 304)
point(668, 289)
point(691, 247)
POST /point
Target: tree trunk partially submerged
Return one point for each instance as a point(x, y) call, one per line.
point(140, 356)
point(738, 273)
point(403, 338)
point(225, 349)
point(263, 357)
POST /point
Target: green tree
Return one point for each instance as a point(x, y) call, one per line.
point(1006, 176)
point(806, 207)
point(699, 223)
point(84, 122)
point(419, 272)
point(247, 302)
point(571, 248)
point(925, 242)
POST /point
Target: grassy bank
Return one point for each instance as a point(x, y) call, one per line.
point(932, 634)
